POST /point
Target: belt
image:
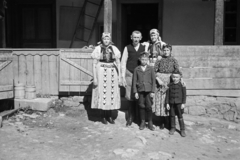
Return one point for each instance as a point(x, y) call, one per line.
point(107, 65)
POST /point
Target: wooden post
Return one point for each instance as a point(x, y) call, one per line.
point(2, 25)
point(108, 16)
point(219, 16)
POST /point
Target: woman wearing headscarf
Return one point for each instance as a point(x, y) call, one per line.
point(106, 79)
point(155, 46)
point(164, 67)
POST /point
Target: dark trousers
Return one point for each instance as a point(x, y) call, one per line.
point(145, 105)
point(175, 110)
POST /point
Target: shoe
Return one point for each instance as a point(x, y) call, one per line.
point(130, 115)
point(110, 120)
point(142, 125)
point(183, 134)
point(161, 122)
point(173, 126)
point(104, 121)
point(182, 127)
point(161, 126)
point(150, 126)
point(103, 117)
point(129, 123)
point(172, 130)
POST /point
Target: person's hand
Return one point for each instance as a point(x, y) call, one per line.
point(159, 57)
point(95, 83)
point(183, 83)
point(168, 107)
point(145, 43)
point(152, 95)
point(182, 106)
point(136, 95)
point(124, 83)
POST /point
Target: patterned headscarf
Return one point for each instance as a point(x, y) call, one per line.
point(106, 34)
point(156, 31)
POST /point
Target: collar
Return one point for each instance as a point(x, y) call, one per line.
point(179, 83)
point(140, 69)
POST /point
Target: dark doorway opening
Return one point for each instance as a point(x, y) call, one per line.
point(142, 17)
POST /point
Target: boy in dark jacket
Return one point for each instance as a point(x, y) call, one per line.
point(175, 100)
point(144, 88)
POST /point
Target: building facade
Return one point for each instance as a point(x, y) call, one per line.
point(51, 23)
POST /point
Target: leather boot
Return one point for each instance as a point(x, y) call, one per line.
point(150, 123)
point(103, 117)
point(109, 117)
point(142, 116)
point(161, 122)
point(182, 127)
point(173, 126)
point(130, 116)
point(142, 125)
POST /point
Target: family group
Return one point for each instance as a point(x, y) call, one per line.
point(150, 75)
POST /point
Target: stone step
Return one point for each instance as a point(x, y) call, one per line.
point(211, 72)
point(39, 104)
point(229, 51)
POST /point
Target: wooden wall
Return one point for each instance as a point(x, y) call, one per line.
point(75, 71)
point(210, 70)
point(37, 67)
point(6, 74)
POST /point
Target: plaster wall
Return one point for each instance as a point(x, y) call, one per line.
point(188, 22)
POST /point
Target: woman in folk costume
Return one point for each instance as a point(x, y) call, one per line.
point(106, 79)
point(154, 46)
point(164, 68)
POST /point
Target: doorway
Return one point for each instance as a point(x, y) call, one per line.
point(142, 17)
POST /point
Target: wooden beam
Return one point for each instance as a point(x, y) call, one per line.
point(218, 28)
point(108, 16)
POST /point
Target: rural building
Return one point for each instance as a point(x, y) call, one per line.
point(41, 42)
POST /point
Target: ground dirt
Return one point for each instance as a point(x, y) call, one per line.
point(76, 134)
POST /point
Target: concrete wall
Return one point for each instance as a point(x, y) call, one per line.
point(188, 22)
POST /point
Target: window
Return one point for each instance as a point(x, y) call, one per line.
point(231, 22)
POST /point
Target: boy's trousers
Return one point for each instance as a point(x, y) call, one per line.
point(145, 100)
point(175, 110)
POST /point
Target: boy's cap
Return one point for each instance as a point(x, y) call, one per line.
point(177, 71)
point(144, 54)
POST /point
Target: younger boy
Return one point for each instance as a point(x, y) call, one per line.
point(175, 100)
point(144, 88)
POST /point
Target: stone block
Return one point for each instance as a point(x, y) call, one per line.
point(79, 99)
point(39, 104)
point(237, 103)
point(70, 103)
point(197, 110)
point(229, 115)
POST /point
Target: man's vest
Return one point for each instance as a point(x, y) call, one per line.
point(133, 57)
